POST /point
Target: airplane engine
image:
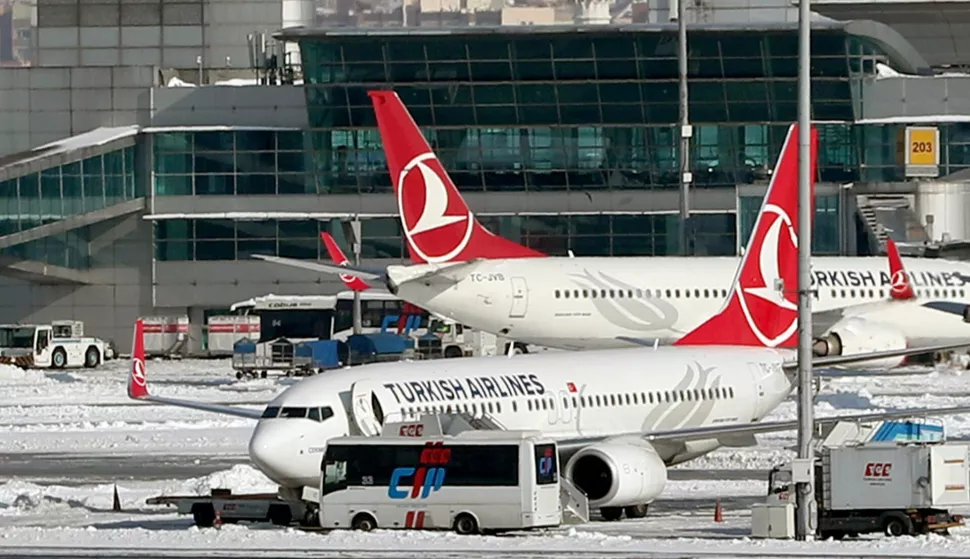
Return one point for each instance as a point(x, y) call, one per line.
point(856, 335)
point(618, 474)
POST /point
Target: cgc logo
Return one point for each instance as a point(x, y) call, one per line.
point(878, 470)
point(412, 430)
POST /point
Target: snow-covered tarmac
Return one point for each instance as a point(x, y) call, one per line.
point(64, 435)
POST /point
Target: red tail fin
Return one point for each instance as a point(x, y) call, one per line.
point(337, 255)
point(137, 382)
point(438, 225)
point(901, 288)
point(756, 313)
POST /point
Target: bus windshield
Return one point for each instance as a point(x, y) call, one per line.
point(290, 323)
point(375, 465)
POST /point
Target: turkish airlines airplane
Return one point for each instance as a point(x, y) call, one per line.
point(463, 271)
point(621, 417)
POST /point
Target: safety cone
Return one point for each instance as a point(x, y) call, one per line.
point(218, 521)
point(116, 503)
point(718, 514)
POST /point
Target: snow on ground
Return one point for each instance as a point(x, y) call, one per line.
point(74, 518)
point(47, 517)
point(90, 412)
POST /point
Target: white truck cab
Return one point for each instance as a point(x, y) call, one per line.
point(57, 345)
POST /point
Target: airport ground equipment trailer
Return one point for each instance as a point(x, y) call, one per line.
point(58, 345)
point(230, 508)
point(897, 488)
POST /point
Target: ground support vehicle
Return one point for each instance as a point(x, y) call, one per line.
point(58, 345)
point(895, 487)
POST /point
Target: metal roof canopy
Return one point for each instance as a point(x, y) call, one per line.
point(904, 54)
point(69, 150)
point(938, 29)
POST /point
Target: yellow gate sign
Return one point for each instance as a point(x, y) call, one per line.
point(922, 151)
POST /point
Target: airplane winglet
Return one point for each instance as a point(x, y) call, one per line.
point(352, 282)
point(137, 382)
point(902, 289)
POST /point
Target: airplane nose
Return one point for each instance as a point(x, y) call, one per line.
point(269, 451)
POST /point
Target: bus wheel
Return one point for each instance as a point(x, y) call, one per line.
point(452, 352)
point(239, 375)
point(465, 524)
point(363, 522)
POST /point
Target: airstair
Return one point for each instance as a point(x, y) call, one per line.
point(575, 505)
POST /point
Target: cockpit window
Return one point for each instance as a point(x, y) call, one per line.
point(315, 414)
point(293, 413)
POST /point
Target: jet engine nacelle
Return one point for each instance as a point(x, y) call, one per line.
point(618, 474)
point(855, 335)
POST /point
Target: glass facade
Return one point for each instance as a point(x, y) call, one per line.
point(585, 235)
point(825, 224)
point(241, 162)
point(567, 110)
point(59, 192)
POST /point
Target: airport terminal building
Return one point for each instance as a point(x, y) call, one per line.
point(142, 186)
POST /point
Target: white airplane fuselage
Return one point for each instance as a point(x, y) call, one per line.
point(564, 395)
point(592, 303)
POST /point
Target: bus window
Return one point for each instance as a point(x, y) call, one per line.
point(546, 471)
point(335, 469)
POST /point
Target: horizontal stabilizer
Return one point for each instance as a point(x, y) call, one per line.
point(325, 268)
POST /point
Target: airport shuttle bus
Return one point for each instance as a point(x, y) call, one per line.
point(473, 482)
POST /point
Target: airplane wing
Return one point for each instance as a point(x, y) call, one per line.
point(138, 384)
point(836, 360)
point(742, 430)
point(362, 272)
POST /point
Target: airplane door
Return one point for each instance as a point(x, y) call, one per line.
point(366, 409)
point(520, 298)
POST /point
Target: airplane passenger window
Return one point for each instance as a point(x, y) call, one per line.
point(575, 293)
point(575, 402)
point(658, 295)
point(619, 294)
point(565, 402)
point(612, 293)
point(627, 398)
point(639, 293)
point(602, 294)
point(598, 404)
point(565, 294)
point(585, 294)
point(697, 293)
point(687, 293)
point(707, 293)
point(293, 412)
point(557, 294)
point(543, 404)
point(498, 407)
point(731, 391)
point(677, 294)
point(635, 401)
point(271, 412)
point(529, 403)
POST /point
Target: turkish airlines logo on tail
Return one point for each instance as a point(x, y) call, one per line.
point(900, 287)
point(436, 222)
point(758, 288)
